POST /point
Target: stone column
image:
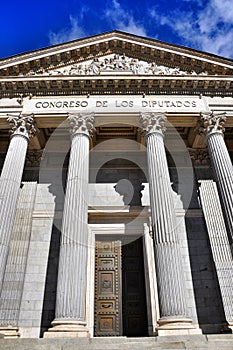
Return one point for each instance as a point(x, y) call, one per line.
point(23, 128)
point(212, 127)
point(172, 300)
point(70, 318)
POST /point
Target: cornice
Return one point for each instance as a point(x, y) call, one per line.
point(121, 84)
point(116, 42)
point(115, 35)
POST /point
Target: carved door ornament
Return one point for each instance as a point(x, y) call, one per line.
point(108, 315)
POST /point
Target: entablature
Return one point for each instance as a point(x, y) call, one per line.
point(120, 84)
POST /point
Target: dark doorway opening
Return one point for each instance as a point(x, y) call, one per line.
point(134, 308)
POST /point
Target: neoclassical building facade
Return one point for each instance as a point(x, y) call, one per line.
point(116, 190)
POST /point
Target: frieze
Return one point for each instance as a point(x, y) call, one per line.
point(115, 64)
point(115, 104)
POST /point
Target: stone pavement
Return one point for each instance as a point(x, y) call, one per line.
point(197, 342)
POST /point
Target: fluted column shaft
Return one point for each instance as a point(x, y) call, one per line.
point(10, 180)
point(72, 279)
point(167, 250)
point(221, 163)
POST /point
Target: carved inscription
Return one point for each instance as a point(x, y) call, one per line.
point(73, 104)
point(106, 104)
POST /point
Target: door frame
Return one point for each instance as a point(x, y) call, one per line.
point(149, 271)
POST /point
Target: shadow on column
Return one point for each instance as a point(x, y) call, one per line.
point(210, 311)
point(49, 301)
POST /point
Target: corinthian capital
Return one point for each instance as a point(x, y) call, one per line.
point(81, 123)
point(23, 125)
point(212, 122)
point(153, 122)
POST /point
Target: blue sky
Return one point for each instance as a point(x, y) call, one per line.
point(205, 25)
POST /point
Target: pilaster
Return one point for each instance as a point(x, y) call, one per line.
point(219, 245)
point(213, 127)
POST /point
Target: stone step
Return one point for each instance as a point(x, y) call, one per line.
point(200, 342)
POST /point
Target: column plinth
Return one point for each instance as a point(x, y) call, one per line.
point(71, 286)
point(67, 329)
point(172, 300)
point(9, 332)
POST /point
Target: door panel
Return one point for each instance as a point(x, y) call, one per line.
point(120, 298)
point(108, 318)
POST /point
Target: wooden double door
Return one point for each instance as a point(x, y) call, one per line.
point(120, 297)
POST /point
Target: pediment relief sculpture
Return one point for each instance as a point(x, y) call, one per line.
point(117, 64)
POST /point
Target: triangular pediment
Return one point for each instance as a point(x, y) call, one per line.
point(128, 54)
point(113, 64)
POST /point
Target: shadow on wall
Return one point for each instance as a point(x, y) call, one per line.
point(209, 305)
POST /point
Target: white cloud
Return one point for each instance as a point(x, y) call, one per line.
point(209, 29)
point(206, 25)
point(224, 9)
point(118, 17)
point(74, 31)
point(221, 44)
point(123, 20)
point(215, 13)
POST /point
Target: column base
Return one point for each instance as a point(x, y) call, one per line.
point(230, 326)
point(9, 332)
point(176, 326)
point(67, 329)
